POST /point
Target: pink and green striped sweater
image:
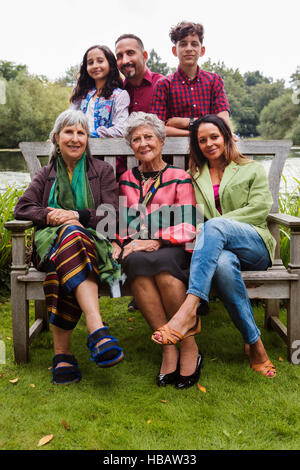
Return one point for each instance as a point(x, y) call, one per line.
point(170, 214)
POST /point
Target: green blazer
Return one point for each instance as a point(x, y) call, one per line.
point(244, 197)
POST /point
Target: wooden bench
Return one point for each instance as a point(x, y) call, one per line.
point(273, 285)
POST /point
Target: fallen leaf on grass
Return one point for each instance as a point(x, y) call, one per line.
point(164, 401)
point(149, 421)
point(14, 381)
point(65, 425)
point(131, 319)
point(281, 359)
point(32, 385)
point(45, 440)
point(8, 337)
point(201, 388)
point(214, 359)
point(226, 433)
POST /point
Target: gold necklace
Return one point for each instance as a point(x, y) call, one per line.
point(153, 178)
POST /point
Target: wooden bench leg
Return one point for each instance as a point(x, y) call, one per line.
point(293, 324)
point(20, 320)
point(19, 303)
point(271, 310)
point(293, 320)
point(41, 312)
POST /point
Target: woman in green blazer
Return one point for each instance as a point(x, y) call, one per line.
point(235, 198)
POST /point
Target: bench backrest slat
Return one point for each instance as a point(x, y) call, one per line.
point(175, 147)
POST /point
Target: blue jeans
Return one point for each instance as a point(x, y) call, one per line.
point(223, 248)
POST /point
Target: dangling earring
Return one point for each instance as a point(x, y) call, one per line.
point(58, 150)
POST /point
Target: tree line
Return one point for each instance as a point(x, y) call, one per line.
point(260, 106)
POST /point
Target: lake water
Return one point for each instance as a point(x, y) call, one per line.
point(13, 170)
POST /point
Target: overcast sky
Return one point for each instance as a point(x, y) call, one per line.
point(50, 36)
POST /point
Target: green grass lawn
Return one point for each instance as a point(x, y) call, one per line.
point(122, 408)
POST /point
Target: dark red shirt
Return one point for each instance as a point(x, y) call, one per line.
point(141, 97)
point(178, 96)
point(140, 100)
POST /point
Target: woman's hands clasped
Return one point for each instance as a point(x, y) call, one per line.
point(61, 216)
point(136, 245)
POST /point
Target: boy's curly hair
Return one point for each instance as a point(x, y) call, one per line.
point(182, 29)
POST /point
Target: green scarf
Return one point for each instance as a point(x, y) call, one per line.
point(76, 196)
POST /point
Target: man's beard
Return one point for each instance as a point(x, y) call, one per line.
point(129, 73)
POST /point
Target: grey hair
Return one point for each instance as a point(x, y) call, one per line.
point(70, 117)
point(143, 119)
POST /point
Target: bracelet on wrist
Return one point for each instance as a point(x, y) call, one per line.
point(192, 120)
point(76, 215)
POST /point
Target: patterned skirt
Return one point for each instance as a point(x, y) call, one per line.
point(70, 261)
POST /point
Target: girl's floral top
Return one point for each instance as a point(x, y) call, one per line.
point(107, 117)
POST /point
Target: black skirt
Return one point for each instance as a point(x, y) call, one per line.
point(174, 260)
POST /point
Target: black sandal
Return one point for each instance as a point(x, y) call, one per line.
point(107, 354)
point(65, 375)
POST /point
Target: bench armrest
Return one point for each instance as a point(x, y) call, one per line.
point(18, 225)
point(293, 223)
point(17, 229)
point(289, 221)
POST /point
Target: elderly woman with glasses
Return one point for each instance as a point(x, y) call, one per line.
point(157, 226)
point(62, 202)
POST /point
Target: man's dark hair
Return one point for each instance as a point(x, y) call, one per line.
point(181, 30)
point(131, 36)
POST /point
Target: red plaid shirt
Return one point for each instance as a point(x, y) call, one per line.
point(178, 96)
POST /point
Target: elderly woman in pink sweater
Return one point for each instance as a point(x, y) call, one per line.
point(157, 220)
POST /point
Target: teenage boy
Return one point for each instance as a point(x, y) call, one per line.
point(189, 93)
point(139, 80)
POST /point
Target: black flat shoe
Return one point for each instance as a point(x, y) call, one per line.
point(185, 381)
point(203, 308)
point(132, 306)
point(168, 379)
